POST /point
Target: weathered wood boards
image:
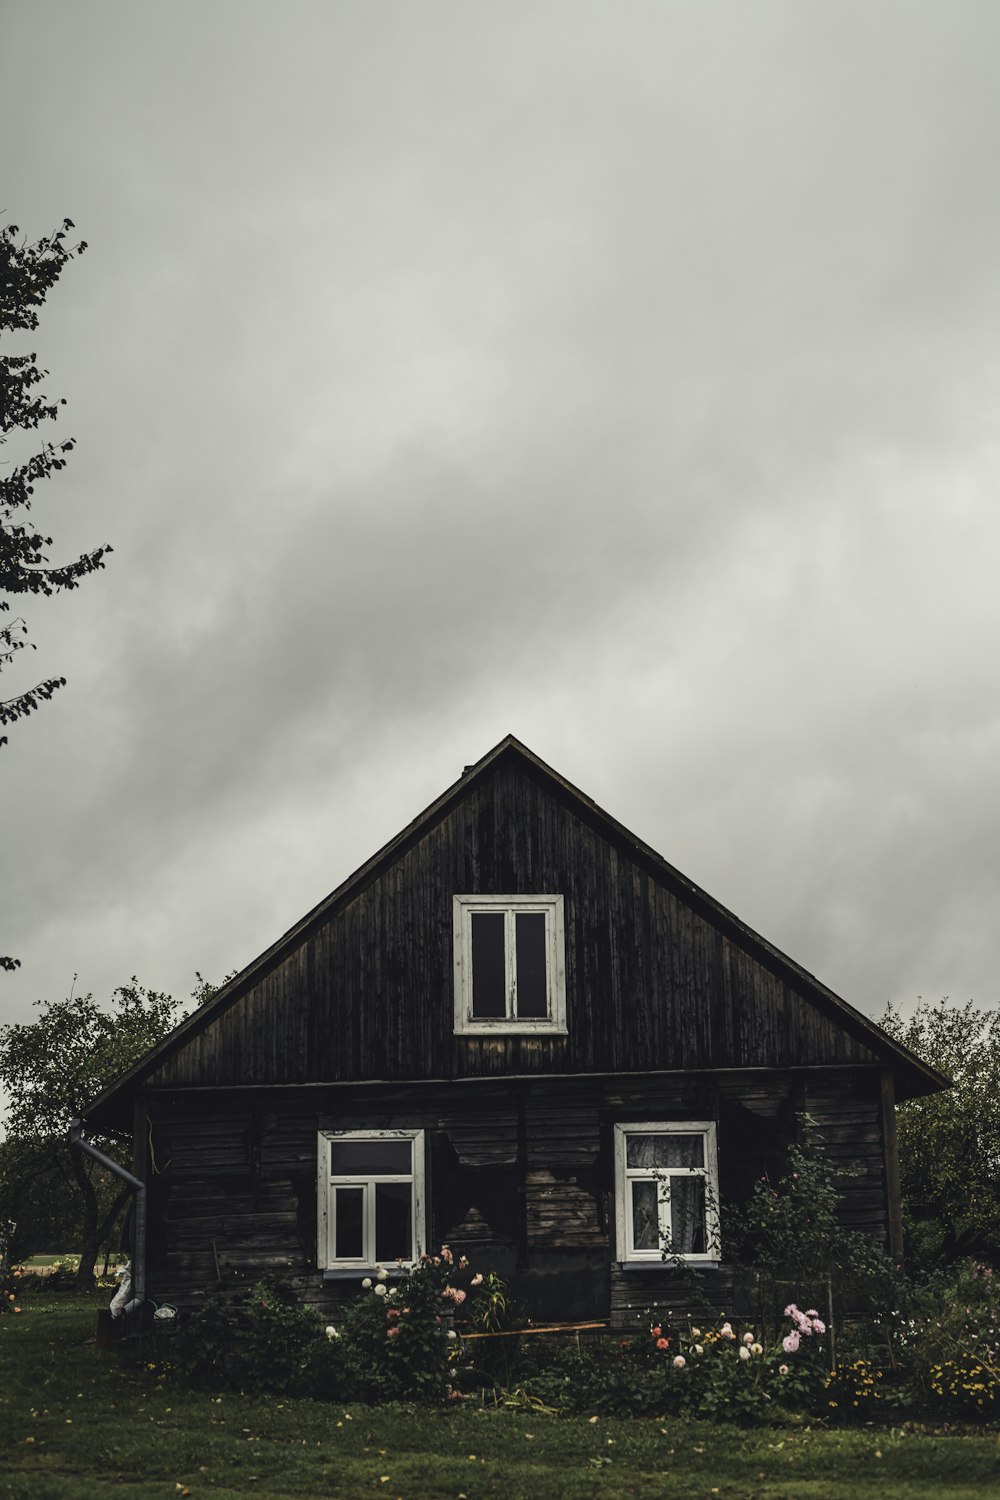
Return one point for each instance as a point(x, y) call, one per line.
point(520, 1176)
point(674, 1011)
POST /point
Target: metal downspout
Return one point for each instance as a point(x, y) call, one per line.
point(139, 1256)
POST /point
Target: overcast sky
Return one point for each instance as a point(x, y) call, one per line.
point(624, 376)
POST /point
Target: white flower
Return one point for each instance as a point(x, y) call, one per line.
point(696, 1333)
point(380, 1290)
point(392, 1291)
point(744, 1352)
point(381, 1274)
point(756, 1349)
point(748, 1338)
point(367, 1283)
point(679, 1361)
point(698, 1348)
point(452, 1334)
point(782, 1369)
point(331, 1332)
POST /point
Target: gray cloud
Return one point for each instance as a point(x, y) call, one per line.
point(623, 378)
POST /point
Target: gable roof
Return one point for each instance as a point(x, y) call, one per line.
point(913, 1075)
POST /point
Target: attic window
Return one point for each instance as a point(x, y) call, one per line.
point(509, 964)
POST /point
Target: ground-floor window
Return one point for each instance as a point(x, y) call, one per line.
point(666, 1191)
point(370, 1198)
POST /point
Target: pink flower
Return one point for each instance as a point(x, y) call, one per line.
point(748, 1338)
point(454, 1294)
point(391, 1333)
point(656, 1332)
point(818, 1326)
point(477, 1280)
point(664, 1344)
point(790, 1342)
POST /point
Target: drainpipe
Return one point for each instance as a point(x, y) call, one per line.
point(139, 1250)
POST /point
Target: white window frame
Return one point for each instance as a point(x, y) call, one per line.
point(464, 908)
point(625, 1175)
point(327, 1183)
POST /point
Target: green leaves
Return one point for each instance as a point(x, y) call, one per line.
point(27, 274)
point(949, 1143)
point(51, 1068)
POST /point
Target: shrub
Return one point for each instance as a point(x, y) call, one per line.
point(263, 1339)
point(966, 1387)
point(853, 1392)
point(723, 1374)
point(619, 1382)
point(62, 1277)
point(948, 1339)
point(398, 1341)
point(788, 1232)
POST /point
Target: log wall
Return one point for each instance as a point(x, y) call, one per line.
point(520, 1178)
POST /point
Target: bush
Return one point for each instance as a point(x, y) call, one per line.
point(965, 1387)
point(61, 1277)
point(262, 1340)
point(721, 1375)
point(398, 1342)
point(948, 1341)
point(853, 1392)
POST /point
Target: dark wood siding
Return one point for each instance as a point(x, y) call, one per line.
point(520, 1178)
point(652, 983)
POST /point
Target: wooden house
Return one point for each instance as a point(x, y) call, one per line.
point(518, 1030)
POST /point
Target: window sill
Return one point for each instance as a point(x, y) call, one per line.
point(666, 1265)
point(341, 1273)
point(511, 1028)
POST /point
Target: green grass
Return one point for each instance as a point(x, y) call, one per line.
point(75, 1421)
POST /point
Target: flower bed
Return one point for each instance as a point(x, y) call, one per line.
point(402, 1339)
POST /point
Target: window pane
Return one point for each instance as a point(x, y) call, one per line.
point(687, 1211)
point(393, 1222)
point(369, 1158)
point(348, 1223)
point(489, 969)
point(532, 998)
point(645, 1224)
point(648, 1150)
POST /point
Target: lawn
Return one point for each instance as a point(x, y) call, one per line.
point(74, 1421)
